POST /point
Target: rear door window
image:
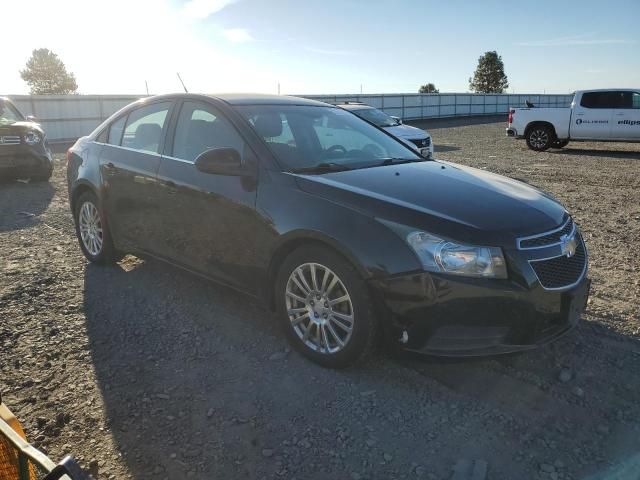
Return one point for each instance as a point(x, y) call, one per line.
point(144, 127)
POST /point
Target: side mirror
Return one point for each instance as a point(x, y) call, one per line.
point(397, 119)
point(31, 118)
point(220, 161)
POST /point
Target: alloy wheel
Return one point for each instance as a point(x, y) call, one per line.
point(319, 307)
point(539, 138)
point(90, 228)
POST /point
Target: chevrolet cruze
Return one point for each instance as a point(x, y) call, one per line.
point(342, 229)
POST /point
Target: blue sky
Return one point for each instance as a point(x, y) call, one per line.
point(332, 46)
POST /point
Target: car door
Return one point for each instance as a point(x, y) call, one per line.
point(626, 117)
point(209, 220)
point(591, 118)
point(129, 163)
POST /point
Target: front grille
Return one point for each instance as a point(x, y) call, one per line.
point(548, 239)
point(9, 140)
point(561, 271)
point(421, 142)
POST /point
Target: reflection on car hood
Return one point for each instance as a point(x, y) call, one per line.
point(18, 127)
point(406, 131)
point(440, 194)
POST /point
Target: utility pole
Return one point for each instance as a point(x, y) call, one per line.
point(360, 89)
point(146, 86)
point(278, 88)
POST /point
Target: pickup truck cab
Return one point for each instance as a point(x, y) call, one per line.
point(611, 115)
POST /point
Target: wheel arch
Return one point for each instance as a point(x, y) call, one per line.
point(295, 240)
point(79, 189)
point(540, 123)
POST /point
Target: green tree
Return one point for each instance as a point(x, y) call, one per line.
point(489, 76)
point(428, 88)
point(46, 74)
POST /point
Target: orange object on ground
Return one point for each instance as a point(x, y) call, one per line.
point(9, 464)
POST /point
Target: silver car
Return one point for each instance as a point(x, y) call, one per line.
point(415, 137)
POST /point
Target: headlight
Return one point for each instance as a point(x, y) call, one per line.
point(438, 255)
point(32, 138)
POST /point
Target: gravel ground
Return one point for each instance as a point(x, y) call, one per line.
point(144, 371)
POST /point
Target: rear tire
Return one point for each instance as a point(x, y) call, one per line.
point(325, 308)
point(540, 137)
point(92, 231)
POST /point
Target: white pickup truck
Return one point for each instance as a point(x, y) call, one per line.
point(611, 115)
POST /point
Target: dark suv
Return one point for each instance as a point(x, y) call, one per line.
point(23, 146)
point(345, 231)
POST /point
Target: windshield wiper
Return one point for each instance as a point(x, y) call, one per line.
point(396, 161)
point(324, 167)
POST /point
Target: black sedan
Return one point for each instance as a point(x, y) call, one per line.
point(343, 230)
point(23, 147)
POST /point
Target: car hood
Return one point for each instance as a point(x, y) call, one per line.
point(448, 199)
point(19, 127)
point(406, 131)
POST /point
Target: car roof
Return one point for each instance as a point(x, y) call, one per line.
point(263, 99)
point(594, 90)
point(235, 99)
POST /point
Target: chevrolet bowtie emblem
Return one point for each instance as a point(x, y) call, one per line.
point(568, 245)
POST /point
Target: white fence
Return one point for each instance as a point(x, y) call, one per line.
point(67, 117)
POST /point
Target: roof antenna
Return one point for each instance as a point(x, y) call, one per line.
point(180, 78)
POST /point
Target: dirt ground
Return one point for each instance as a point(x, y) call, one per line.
point(144, 371)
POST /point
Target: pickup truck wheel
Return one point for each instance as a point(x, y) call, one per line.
point(560, 143)
point(540, 138)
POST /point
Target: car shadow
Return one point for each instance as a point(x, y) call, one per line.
point(22, 203)
point(197, 381)
point(199, 371)
point(584, 152)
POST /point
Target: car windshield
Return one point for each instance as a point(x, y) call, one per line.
point(375, 116)
point(304, 138)
point(9, 114)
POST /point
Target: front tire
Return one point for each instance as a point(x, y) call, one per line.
point(540, 138)
point(92, 232)
point(325, 308)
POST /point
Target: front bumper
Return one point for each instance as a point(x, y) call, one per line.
point(453, 316)
point(25, 161)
